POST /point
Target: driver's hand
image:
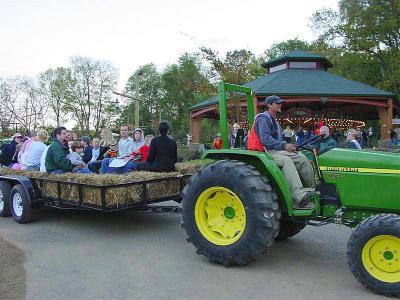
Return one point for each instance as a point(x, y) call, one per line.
point(290, 148)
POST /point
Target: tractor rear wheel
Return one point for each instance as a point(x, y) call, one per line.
point(288, 229)
point(230, 212)
point(373, 254)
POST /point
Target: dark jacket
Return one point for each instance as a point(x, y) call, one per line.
point(87, 154)
point(10, 151)
point(56, 157)
point(103, 151)
point(269, 132)
point(162, 154)
point(326, 144)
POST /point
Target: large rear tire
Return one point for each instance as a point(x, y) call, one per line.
point(21, 210)
point(230, 212)
point(289, 229)
point(373, 254)
point(5, 191)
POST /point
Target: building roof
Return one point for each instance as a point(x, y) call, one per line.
point(306, 82)
point(297, 55)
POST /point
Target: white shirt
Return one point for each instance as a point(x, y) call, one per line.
point(33, 153)
point(42, 160)
point(125, 147)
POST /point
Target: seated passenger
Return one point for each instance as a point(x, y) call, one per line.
point(106, 140)
point(95, 149)
point(112, 151)
point(125, 146)
point(32, 155)
point(87, 149)
point(162, 154)
point(138, 156)
point(352, 142)
point(327, 142)
point(76, 158)
point(11, 154)
point(138, 139)
point(56, 161)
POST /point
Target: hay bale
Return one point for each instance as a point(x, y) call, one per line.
point(115, 196)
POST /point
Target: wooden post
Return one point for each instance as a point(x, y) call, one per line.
point(383, 117)
point(390, 115)
point(195, 125)
point(255, 105)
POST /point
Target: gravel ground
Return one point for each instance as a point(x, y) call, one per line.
point(12, 272)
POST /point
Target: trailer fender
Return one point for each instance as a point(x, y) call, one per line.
point(25, 182)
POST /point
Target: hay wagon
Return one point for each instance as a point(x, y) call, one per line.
point(22, 192)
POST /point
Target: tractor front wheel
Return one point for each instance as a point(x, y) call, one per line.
point(230, 212)
point(373, 254)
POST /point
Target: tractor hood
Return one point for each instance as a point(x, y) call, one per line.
point(337, 159)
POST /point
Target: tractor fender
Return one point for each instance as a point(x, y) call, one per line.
point(25, 182)
point(265, 165)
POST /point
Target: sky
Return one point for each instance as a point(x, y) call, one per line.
point(41, 34)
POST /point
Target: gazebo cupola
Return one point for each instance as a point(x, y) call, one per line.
point(297, 59)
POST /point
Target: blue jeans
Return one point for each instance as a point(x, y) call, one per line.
point(75, 170)
point(104, 166)
point(130, 165)
point(33, 168)
point(94, 166)
point(81, 170)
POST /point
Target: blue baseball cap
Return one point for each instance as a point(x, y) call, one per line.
point(274, 99)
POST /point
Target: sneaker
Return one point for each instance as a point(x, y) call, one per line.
point(306, 202)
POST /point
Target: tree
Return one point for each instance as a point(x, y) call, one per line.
point(282, 48)
point(238, 66)
point(184, 83)
point(367, 27)
point(94, 82)
point(151, 96)
point(57, 86)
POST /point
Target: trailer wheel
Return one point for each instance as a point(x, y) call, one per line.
point(373, 254)
point(288, 229)
point(230, 212)
point(5, 191)
point(20, 205)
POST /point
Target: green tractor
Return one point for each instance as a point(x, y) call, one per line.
point(235, 207)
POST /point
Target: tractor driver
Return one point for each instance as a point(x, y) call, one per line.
point(266, 133)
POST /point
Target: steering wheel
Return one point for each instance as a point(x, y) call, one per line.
point(316, 139)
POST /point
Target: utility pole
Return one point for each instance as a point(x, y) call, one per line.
point(137, 108)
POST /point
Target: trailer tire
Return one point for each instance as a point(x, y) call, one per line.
point(373, 254)
point(21, 210)
point(289, 229)
point(230, 212)
point(5, 192)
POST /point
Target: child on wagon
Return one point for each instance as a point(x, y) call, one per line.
point(76, 158)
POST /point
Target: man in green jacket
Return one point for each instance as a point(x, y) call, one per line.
point(327, 143)
point(56, 161)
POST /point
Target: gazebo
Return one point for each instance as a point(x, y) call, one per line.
point(312, 94)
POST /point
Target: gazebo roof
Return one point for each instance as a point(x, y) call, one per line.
point(306, 82)
point(297, 55)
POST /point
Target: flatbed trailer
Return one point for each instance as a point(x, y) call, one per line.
point(21, 195)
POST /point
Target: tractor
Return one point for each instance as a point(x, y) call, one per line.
point(234, 208)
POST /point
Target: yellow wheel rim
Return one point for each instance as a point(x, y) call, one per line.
point(220, 216)
point(381, 258)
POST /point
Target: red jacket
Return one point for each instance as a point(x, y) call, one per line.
point(144, 150)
